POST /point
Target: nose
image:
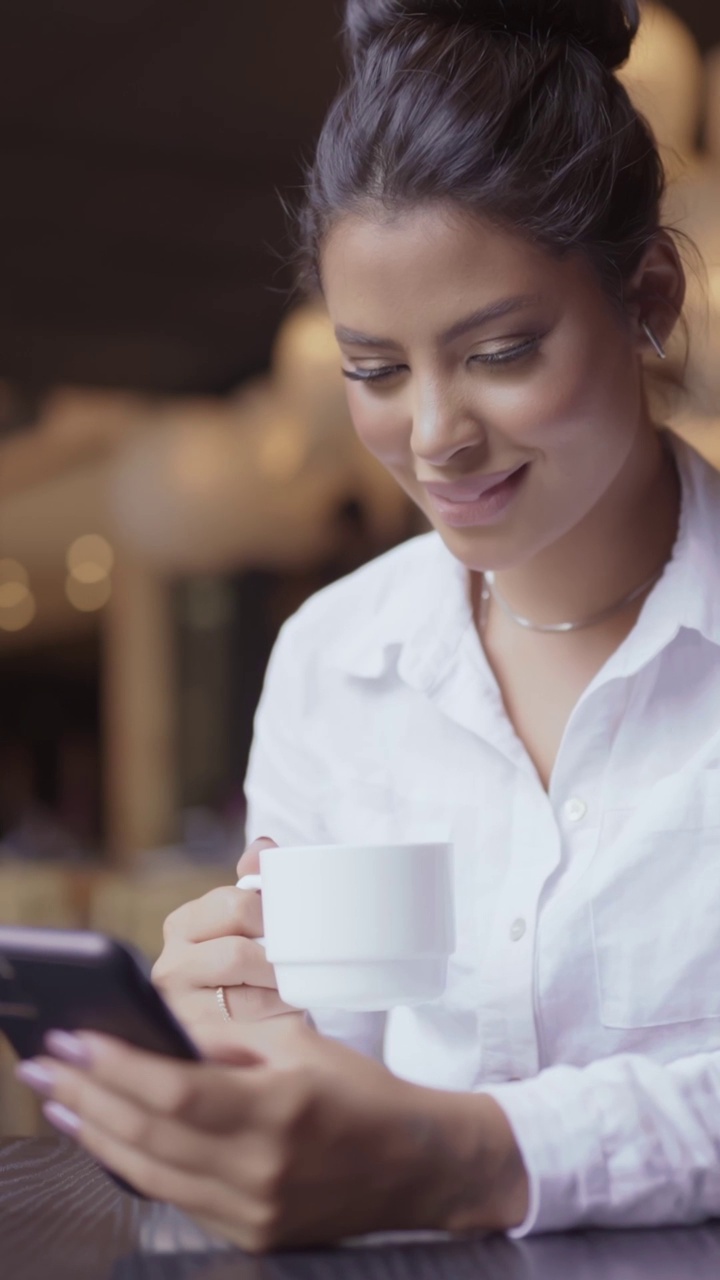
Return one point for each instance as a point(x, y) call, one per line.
point(442, 427)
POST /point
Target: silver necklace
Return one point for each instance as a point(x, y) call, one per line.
point(490, 591)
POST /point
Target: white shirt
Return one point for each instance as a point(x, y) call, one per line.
point(584, 993)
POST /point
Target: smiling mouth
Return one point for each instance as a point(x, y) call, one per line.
point(473, 488)
point(482, 500)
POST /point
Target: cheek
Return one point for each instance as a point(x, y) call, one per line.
point(578, 400)
point(381, 426)
point(588, 391)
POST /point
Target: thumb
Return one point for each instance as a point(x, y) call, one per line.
point(249, 863)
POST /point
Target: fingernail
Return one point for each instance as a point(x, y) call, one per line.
point(264, 840)
point(37, 1077)
point(69, 1048)
point(62, 1118)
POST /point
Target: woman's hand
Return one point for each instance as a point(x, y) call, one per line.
point(209, 943)
point(305, 1142)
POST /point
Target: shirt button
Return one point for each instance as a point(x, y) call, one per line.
point(517, 929)
point(575, 809)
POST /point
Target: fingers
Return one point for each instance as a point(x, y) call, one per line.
point(219, 1206)
point(161, 1160)
point(124, 1118)
point(162, 1154)
point(224, 962)
point(190, 976)
point(245, 1004)
point(169, 1182)
point(209, 944)
point(237, 964)
point(249, 863)
point(129, 1092)
point(224, 911)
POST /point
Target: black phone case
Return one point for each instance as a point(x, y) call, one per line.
point(79, 981)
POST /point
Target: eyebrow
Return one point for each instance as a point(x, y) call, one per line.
point(496, 311)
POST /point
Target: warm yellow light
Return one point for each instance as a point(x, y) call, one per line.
point(12, 594)
point(17, 606)
point(88, 572)
point(88, 597)
point(90, 550)
point(13, 571)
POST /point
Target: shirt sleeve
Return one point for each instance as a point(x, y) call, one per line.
point(284, 789)
point(283, 784)
point(623, 1142)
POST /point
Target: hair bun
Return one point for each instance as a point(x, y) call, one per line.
point(606, 27)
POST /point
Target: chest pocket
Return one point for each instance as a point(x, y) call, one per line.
point(655, 908)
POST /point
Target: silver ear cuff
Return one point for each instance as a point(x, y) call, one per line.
point(653, 340)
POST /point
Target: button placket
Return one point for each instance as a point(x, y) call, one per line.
point(507, 1028)
point(509, 1034)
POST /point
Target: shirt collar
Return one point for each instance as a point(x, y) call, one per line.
point(424, 611)
point(688, 593)
point(417, 618)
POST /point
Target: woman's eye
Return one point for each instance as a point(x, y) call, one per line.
point(507, 354)
point(504, 356)
point(373, 375)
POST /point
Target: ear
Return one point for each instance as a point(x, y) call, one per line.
point(656, 291)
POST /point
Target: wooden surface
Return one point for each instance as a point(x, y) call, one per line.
point(61, 1218)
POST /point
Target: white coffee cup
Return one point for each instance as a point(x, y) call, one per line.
point(357, 927)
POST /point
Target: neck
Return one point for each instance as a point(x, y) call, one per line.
point(623, 541)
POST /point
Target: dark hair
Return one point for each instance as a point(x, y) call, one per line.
point(508, 108)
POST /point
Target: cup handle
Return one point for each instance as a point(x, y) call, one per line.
point(247, 884)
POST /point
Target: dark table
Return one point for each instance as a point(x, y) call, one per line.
point(61, 1218)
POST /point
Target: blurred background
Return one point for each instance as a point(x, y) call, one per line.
point(177, 468)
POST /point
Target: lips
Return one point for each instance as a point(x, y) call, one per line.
point(478, 500)
point(472, 488)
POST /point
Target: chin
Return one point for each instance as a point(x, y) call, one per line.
point(483, 549)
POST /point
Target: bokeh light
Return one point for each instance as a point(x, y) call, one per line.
point(17, 606)
point(88, 597)
point(90, 558)
point(13, 571)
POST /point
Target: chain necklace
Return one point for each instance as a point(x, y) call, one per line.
point(490, 592)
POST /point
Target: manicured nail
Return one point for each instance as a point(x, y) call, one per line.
point(39, 1078)
point(62, 1118)
point(69, 1048)
point(264, 840)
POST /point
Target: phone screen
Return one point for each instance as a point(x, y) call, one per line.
point(56, 979)
point(73, 981)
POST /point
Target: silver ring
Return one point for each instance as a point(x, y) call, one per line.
point(220, 997)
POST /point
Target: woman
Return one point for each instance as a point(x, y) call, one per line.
point(538, 678)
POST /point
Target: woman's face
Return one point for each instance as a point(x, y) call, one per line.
point(497, 383)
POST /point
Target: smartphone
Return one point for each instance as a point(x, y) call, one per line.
point(80, 981)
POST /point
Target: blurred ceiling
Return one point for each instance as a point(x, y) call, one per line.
point(144, 145)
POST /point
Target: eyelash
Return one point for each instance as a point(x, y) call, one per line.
point(493, 358)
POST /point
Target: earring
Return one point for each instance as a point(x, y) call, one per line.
point(653, 340)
